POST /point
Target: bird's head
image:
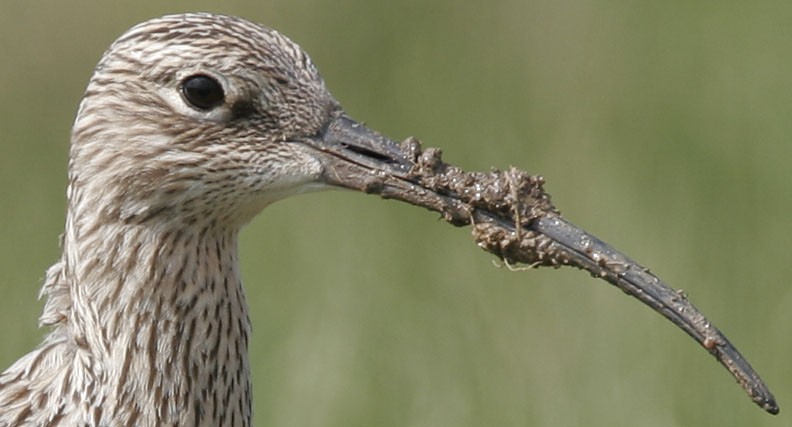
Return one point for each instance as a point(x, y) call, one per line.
point(204, 117)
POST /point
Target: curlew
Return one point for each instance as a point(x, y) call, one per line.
point(191, 125)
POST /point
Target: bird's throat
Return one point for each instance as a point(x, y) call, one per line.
point(161, 316)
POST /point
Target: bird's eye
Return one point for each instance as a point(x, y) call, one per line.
point(202, 92)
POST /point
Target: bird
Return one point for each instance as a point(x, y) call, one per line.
point(190, 125)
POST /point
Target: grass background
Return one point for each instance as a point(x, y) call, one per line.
point(663, 128)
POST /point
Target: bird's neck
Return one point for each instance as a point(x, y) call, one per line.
point(159, 316)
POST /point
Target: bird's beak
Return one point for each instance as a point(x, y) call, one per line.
point(356, 157)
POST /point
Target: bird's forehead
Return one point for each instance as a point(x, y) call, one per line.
point(220, 42)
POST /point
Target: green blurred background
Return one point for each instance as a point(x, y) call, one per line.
point(662, 127)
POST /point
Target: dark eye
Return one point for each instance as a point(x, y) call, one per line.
point(202, 92)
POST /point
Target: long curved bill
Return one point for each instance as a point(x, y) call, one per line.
point(357, 158)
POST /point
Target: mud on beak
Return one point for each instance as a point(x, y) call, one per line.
point(516, 221)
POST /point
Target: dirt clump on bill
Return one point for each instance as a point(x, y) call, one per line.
point(500, 205)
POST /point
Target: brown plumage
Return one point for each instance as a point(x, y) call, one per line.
point(148, 313)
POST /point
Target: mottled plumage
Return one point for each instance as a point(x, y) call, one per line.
point(148, 312)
